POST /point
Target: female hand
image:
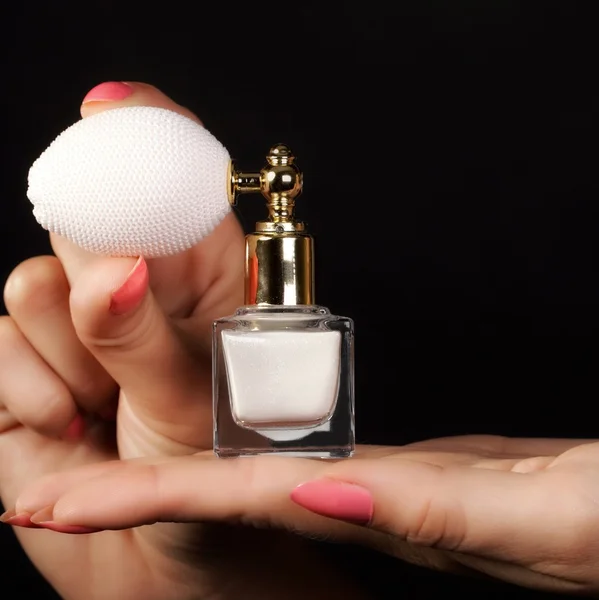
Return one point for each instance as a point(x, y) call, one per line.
point(87, 335)
point(522, 510)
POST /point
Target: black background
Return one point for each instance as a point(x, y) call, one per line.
point(449, 152)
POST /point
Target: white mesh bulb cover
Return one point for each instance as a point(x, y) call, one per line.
point(132, 181)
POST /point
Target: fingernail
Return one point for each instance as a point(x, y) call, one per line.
point(335, 499)
point(5, 516)
point(109, 91)
point(43, 515)
point(133, 290)
point(44, 518)
point(75, 431)
point(10, 517)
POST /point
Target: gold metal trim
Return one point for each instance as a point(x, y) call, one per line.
point(279, 267)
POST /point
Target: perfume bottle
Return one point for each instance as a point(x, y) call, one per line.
point(283, 367)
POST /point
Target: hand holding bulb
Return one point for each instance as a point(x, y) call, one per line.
point(147, 181)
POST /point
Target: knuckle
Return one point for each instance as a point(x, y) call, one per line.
point(132, 333)
point(247, 473)
point(8, 332)
point(94, 389)
point(438, 524)
point(47, 407)
point(37, 284)
point(250, 475)
point(10, 336)
point(52, 412)
point(427, 527)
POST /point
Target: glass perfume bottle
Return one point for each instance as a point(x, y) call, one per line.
point(283, 367)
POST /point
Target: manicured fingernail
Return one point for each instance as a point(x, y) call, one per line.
point(10, 517)
point(45, 518)
point(335, 499)
point(42, 515)
point(5, 516)
point(109, 91)
point(75, 431)
point(133, 290)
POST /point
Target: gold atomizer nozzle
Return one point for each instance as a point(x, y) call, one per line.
point(279, 267)
point(280, 182)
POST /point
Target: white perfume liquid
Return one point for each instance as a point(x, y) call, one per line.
point(282, 379)
point(283, 382)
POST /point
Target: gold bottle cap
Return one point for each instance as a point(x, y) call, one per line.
point(279, 267)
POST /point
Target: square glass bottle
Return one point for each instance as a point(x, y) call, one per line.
point(283, 367)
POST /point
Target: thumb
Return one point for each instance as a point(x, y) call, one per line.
point(457, 508)
point(118, 319)
point(528, 528)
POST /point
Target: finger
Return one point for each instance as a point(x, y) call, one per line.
point(215, 264)
point(204, 283)
point(118, 319)
point(29, 390)
point(118, 94)
point(46, 490)
point(532, 529)
point(139, 349)
point(37, 297)
point(141, 492)
point(500, 515)
point(107, 96)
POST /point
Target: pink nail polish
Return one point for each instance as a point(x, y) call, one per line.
point(335, 499)
point(61, 528)
point(109, 91)
point(43, 515)
point(18, 520)
point(133, 290)
point(75, 431)
point(45, 518)
point(9, 514)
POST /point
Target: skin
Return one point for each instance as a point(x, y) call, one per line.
point(62, 352)
point(175, 521)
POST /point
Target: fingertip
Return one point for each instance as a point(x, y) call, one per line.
point(36, 284)
point(11, 517)
point(109, 91)
point(132, 291)
point(118, 94)
point(92, 298)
